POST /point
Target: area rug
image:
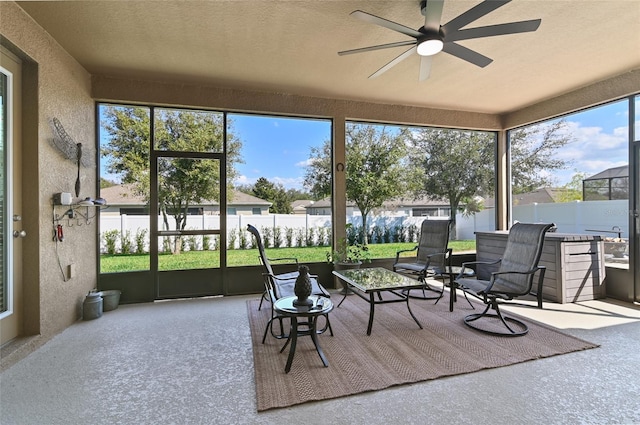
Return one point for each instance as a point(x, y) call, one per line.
point(397, 352)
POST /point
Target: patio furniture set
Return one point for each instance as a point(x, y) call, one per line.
point(515, 275)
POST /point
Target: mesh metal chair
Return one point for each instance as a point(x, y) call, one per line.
point(282, 285)
point(433, 257)
point(514, 278)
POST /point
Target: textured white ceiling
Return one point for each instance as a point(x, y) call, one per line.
point(291, 46)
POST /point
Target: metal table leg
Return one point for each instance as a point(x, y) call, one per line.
point(314, 338)
point(372, 304)
point(293, 338)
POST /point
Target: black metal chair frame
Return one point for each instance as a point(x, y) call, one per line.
point(272, 291)
point(283, 277)
point(422, 268)
point(500, 286)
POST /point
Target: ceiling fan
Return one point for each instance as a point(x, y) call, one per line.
point(432, 37)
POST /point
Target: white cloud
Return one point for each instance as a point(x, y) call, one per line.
point(289, 182)
point(286, 182)
point(306, 162)
point(244, 180)
point(593, 150)
point(621, 132)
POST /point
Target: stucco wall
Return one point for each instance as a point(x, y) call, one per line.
point(54, 85)
point(163, 93)
point(594, 94)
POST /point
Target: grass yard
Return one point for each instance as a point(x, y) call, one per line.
point(247, 257)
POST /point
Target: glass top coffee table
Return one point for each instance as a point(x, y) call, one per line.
point(369, 283)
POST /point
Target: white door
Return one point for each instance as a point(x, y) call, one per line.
point(10, 199)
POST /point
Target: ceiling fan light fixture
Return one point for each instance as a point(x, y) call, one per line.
point(428, 40)
point(430, 46)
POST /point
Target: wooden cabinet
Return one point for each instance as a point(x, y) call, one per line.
point(575, 264)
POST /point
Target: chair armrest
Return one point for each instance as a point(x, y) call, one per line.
point(445, 254)
point(283, 277)
point(404, 250)
point(291, 259)
point(466, 265)
point(495, 274)
point(291, 278)
point(535, 269)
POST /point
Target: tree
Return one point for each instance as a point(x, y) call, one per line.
point(298, 195)
point(533, 158)
point(375, 168)
point(452, 164)
point(182, 182)
point(274, 193)
point(573, 190)
point(457, 165)
point(104, 183)
point(317, 179)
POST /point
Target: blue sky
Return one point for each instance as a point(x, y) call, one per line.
point(277, 148)
point(600, 140)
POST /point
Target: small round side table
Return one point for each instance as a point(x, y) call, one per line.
point(321, 306)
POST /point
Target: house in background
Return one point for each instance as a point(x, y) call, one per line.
point(121, 199)
point(612, 183)
point(545, 195)
point(421, 207)
point(301, 206)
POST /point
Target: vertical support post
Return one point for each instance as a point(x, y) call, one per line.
point(503, 176)
point(339, 202)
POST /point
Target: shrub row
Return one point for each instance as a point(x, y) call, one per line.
point(113, 242)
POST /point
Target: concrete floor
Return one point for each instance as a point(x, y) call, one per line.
point(190, 362)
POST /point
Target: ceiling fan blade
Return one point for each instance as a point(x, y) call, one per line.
point(433, 14)
point(467, 54)
point(378, 47)
point(376, 20)
point(393, 63)
point(493, 30)
point(473, 14)
point(425, 67)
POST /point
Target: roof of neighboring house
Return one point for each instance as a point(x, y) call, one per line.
point(546, 195)
point(123, 194)
point(394, 203)
point(611, 173)
point(301, 204)
point(241, 198)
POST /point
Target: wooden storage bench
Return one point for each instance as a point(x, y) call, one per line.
point(575, 264)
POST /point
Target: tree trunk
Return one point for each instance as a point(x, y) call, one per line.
point(454, 211)
point(365, 234)
point(177, 241)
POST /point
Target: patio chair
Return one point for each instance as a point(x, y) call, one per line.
point(514, 278)
point(433, 257)
point(282, 285)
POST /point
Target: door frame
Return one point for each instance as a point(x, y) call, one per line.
point(12, 320)
point(634, 192)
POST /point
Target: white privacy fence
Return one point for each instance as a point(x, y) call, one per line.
point(571, 217)
point(301, 230)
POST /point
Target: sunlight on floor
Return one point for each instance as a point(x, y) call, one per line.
point(592, 314)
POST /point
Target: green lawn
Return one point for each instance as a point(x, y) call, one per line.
point(246, 257)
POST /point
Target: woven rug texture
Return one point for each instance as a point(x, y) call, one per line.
point(397, 351)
